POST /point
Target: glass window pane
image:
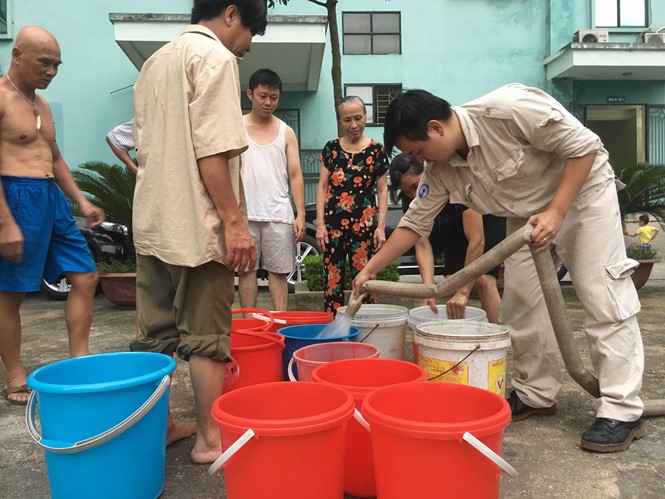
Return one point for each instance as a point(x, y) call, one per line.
point(370, 114)
point(385, 23)
point(356, 23)
point(632, 13)
point(386, 44)
point(606, 13)
point(362, 91)
point(3, 17)
point(356, 44)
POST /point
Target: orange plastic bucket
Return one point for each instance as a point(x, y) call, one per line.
point(310, 357)
point(360, 377)
point(296, 318)
point(288, 440)
point(259, 358)
point(422, 438)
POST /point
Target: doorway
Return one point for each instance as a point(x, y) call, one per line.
point(622, 131)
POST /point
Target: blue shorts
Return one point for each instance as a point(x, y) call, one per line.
point(52, 245)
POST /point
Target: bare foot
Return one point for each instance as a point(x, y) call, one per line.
point(177, 432)
point(203, 453)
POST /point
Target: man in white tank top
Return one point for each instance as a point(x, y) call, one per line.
point(271, 163)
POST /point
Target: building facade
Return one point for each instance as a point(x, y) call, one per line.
point(603, 59)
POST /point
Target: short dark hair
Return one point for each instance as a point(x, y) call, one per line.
point(347, 100)
point(401, 165)
point(265, 77)
point(644, 219)
point(408, 114)
point(253, 13)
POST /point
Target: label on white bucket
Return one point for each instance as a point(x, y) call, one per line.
point(464, 353)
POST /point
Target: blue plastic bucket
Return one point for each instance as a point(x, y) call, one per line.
point(304, 335)
point(103, 422)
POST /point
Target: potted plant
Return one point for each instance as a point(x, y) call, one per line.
point(644, 193)
point(111, 187)
point(646, 258)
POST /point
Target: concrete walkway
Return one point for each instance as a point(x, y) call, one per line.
point(545, 450)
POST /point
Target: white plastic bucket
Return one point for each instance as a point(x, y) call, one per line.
point(383, 326)
point(419, 315)
point(425, 314)
point(466, 353)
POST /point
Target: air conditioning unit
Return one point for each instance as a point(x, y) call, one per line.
point(591, 36)
point(654, 39)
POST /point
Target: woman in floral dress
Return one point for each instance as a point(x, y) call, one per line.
point(348, 222)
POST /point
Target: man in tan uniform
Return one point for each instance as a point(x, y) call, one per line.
point(38, 235)
point(189, 228)
point(516, 152)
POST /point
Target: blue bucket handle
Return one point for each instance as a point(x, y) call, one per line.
point(69, 448)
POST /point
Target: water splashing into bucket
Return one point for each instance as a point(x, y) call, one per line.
point(338, 328)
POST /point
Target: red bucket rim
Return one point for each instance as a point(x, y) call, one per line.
point(360, 391)
point(479, 427)
point(354, 345)
point(282, 427)
point(272, 340)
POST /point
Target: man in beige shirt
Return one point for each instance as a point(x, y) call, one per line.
point(516, 152)
point(189, 227)
point(39, 237)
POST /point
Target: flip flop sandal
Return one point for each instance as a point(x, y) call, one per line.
point(11, 390)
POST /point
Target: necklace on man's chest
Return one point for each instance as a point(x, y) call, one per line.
point(33, 103)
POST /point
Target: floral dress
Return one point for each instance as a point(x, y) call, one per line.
point(350, 214)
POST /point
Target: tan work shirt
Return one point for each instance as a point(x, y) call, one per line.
point(519, 139)
point(187, 106)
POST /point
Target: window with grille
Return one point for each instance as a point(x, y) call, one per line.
point(376, 99)
point(620, 13)
point(371, 33)
point(5, 19)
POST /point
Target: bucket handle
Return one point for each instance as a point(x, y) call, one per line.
point(67, 448)
point(228, 453)
point(292, 377)
point(267, 319)
point(468, 438)
point(489, 454)
point(260, 334)
point(266, 315)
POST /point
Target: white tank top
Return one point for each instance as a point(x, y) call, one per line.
point(265, 178)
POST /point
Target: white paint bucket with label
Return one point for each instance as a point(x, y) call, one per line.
point(466, 353)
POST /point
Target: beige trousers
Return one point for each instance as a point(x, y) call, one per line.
point(591, 246)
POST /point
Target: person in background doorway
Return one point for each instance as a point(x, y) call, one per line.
point(517, 152)
point(348, 224)
point(121, 141)
point(39, 237)
point(645, 232)
point(269, 166)
point(190, 231)
point(460, 233)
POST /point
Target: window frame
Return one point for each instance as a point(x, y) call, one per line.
point(371, 34)
point(617, 28)
point(374, 87)
point(10, 23)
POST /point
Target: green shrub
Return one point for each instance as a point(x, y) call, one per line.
point(637, 252)
point(313, 273)
point(116, 267)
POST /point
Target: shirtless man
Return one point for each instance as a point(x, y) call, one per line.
point(38, 235)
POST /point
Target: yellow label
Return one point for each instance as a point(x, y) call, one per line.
point(458, 374)
point(496, 376)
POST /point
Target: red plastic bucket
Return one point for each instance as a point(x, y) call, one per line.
point(420, 437)
point(253, 323)
point(310, 357)
point(360, 377)
point(259, 358)
point(296, 318)
point(298, 448)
